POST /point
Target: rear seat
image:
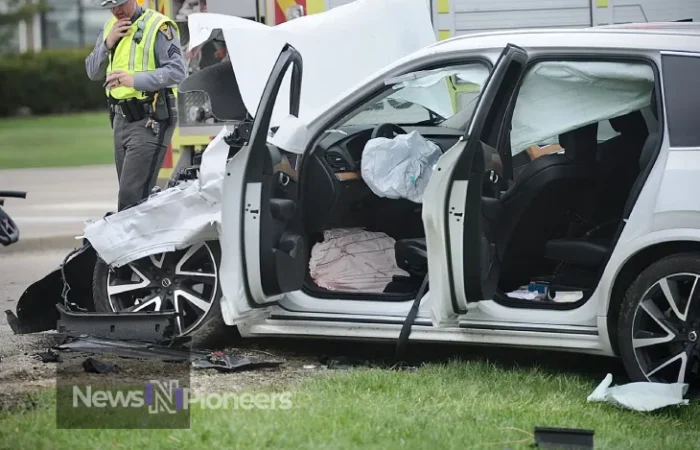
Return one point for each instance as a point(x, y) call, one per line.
point(591, 252)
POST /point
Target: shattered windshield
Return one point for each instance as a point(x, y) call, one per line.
point(428, 97)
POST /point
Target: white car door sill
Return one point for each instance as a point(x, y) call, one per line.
point(585, 340)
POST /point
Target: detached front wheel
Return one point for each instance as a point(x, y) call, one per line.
point(659, 326)
point(185, 281)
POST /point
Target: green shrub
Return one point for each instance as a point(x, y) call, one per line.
point(48, 82)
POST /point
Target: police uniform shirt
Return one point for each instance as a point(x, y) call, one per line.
point(170, 64)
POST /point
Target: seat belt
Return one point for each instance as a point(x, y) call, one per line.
point(408, 323)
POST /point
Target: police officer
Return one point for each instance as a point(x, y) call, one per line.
point(138, 54)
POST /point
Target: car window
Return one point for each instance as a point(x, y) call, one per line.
point(424, 97)
point(682, 99)
point(557, 96)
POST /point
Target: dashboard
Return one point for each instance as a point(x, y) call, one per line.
point(333, 190)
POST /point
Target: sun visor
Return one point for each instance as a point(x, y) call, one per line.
point(340, 48)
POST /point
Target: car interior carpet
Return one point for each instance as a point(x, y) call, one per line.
point(354, 260)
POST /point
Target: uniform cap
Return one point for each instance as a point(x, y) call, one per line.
point(106, 4)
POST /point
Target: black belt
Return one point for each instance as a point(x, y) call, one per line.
point(131, 109)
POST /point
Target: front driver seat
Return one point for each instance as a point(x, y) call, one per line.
point(539, 206)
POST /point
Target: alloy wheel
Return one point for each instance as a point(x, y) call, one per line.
point(184, 281)
point(666, 329)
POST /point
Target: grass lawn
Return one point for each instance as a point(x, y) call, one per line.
point(56, 141)
point(446, 406)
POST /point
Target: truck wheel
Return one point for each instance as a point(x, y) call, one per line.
point(659, 326)
point(186, 281)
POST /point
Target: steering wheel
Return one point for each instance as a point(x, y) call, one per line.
point(9, 233)
point(387, 130)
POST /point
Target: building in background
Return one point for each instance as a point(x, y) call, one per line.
point(22, 36)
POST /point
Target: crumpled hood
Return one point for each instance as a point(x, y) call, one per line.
point(340, 48)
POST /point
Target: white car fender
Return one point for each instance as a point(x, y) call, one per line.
point(624, 253)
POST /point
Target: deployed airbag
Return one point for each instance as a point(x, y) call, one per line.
point(400, 167)
point(354, 260)
point(558, 96)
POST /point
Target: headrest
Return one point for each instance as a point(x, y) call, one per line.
point(630, 124)
point(580, 144)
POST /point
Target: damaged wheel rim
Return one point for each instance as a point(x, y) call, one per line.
point(665, 330)
point(184, 281)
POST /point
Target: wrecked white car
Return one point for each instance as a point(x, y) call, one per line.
point(558, 213)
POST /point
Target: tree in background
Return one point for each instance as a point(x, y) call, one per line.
point(12, 12)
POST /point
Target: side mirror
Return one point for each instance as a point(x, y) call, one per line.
point(290, 136)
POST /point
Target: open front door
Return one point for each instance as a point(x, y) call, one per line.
point(468, 215)
point(263, 255)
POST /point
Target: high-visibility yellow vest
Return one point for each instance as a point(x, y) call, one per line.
point(136, 51)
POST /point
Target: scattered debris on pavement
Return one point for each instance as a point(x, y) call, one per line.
point(128, 349)
point(341, 362)
point(200, 359)
point(224, 362)
point(642, 396)
point(48, 356)
point(93, 365)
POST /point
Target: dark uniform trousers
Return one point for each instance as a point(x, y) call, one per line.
point(138, 154)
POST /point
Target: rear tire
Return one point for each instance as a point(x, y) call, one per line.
point(207, 330)
point(659, 323)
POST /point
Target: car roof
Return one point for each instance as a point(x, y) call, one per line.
point(690, 27)
point(671, 36)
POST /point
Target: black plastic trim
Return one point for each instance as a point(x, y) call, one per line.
point(533, 329)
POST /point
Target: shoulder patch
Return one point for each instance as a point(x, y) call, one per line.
point(167, 32)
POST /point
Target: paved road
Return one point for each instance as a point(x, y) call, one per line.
point(59, 201)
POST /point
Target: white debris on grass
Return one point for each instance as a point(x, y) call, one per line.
point(641, 396)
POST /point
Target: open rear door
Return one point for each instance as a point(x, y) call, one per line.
point(468, 215)
point(263, 255)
